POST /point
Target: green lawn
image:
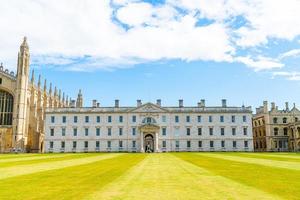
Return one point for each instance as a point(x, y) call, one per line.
point(150, 176)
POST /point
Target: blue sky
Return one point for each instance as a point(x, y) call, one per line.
point(166, 49)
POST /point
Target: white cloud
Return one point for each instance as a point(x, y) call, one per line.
point(293, 76)
point(291, 53)
point(61, 33)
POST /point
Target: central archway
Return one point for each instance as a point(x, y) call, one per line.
point(149, 143)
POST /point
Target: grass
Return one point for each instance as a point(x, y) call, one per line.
point(150, 176)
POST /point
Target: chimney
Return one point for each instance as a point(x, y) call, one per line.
point(273, 106)
point(94, 103)
point(287, 106)
point(203, 102)
point(138, 103)
point(224, 104)
point(98, 105)
point(73, 104)
point(117, 103)
point(265, 106)
point(158, 102)
point(180, 103)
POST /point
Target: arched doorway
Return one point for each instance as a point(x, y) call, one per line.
point(149, 143)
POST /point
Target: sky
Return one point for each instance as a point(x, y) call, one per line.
point(245, 51)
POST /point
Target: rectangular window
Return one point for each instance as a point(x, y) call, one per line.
point(164, 118)
point(63, 144)
point(222, 131)
point(120, 131)
point(74, 144)
point(188, 119)
point(176, 119)
point(74, 131)
point(188, 144)
point(210, 119)
point(177, 131)
point(75, 119)
point(120, 144)
point(245, 131)
point(164, 131)
point(133, 131)
point(233, 131)
point(234, 144)
point(52, 132)
point(246, 144)
point(51, 145)
point(120, 119)
point(109, 131)
point(133, 118)
point(64, 119)
point(52, 119)
point(221, 118)
point(86, 131)
point(109, 119)
point(133, 144)
point(188, 131)
point(97, 131)
point(98, 119)
point(97, 144)
point(223, 144)
point(164, 144)
point(199, 131)
point(86, 144)
point(199, 118)
point(211, 131)
point(109, 144)
point(211, 144)
point(177, 144)
point(232, 118)
point(244, 118)
point(63, 131)
point(87, 119)
point(200, 144)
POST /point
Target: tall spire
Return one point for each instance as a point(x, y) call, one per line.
point(50, 89)
point(59, 94)
point(39, 81)
point(55, 91)
point(79, 101)
point(32, 76)
point(24, 46)
point(63, 97)
point(45, 85)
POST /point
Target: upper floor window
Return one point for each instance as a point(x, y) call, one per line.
point(222, 131)
point(133, 131)
point(120, 131)
point(210, 118)
point(63, 131)
point(164, 118)
point(86, 131)
point(188, 119)
point(199, 131)
point(245, 130)
point(211, 131)
point(233, 131)
point(284, 120)
point(109, 119)
point(232, 118)
point(176, 118)
point(109, 131)
point(133, 118)
point(164, 131)
point(285, 131)
point(87, 119)
point(244, 118)
point(275, 120)
point(52, 132)
point(52, 119)
point(275, 131)
point(120, 119)
point(64, 119)
point(188, 131)
point(75, 119)
point(98, 119)
point(97, 131)
point(221, 118)
point(74, 131)
point(199, 118)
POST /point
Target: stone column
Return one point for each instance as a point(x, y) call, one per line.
point(156, 141)
point(142, 142)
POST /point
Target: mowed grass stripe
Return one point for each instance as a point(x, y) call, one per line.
point(22, 155)
point(34, 168)
point(74, 182)
point(35, 160)
point(257, 161)
point(164, 176)
point(271, 156)
point(278, 181)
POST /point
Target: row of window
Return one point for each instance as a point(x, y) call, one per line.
point(164, 144)
point(133, 131)
point(134, 119)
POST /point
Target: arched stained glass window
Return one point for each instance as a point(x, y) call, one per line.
point(6, 108)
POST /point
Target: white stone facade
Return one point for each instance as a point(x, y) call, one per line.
point(149, 127)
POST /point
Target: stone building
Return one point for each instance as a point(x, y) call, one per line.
point(22, 106)
point(148, 127)
point(276, 130)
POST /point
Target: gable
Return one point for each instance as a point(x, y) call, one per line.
point(149, 107)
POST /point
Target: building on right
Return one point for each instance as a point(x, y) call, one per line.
point(276, 130)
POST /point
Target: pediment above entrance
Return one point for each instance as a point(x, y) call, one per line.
point(149, 108)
